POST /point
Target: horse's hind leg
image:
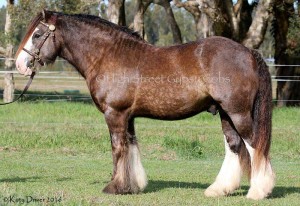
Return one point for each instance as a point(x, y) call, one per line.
point(128, 173)
point(230, 174)
point(262, 176)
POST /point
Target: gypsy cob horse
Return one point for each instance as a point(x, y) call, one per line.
point(129, 78)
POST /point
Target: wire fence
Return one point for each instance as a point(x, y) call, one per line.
point(61, 85)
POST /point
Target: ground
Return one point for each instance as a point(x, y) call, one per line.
point(60, 153)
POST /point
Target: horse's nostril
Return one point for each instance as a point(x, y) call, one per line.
point(28, 62)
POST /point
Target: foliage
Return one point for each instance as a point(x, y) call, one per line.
point(158, 31)
point(293, 35)
point(2, 24)
point(23, 12)
point(156, 26)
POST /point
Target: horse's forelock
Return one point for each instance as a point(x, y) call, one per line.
point(33, 24)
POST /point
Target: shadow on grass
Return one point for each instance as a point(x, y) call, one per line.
point(63, 179)
point(20, 179)
point(157, 185)
point(278, 192)
point(281, 192)
point(30, 179)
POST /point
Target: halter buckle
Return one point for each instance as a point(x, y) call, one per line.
point(51, 27)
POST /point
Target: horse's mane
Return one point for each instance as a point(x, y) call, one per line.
point(88, 19)
point(99, 22)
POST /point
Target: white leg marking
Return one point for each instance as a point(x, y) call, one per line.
point(137, 173)
point(262, 177)
point(229, 176)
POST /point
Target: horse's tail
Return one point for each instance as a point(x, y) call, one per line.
point(262, 175)
point(262, 112)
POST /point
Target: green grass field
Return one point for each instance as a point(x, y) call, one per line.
point(61, 151)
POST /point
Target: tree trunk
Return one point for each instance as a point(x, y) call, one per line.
point(173, 24)
point(234, 18)
point(286, 90)
point(171, 20)
point(116, 12)
point(205, 26)
point(8, 93)
point(206, 22)
point(257, 30)
point(193, 8)
point(138, 21)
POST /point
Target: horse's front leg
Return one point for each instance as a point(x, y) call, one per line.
point(128, 173)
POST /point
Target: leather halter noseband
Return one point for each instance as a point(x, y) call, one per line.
point(36, 57)
point(35, 54)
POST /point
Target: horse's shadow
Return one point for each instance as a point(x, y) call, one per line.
point(20, 179)
point(157, 185)
point(30, 179)
point(281, 192)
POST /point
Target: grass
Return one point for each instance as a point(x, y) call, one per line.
point(53, 150)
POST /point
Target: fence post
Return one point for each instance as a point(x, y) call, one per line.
point(9, 87)
point(8, 93)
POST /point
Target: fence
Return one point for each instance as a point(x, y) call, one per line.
point(61, 84)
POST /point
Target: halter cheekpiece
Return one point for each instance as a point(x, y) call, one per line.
point(35, 54)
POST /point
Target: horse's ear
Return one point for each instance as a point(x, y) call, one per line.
point(46, 14)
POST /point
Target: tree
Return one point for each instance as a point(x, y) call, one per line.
point(171, 20)
point(138, 22)
point(116, 12)
point(8, 93)
point(257, 30)
point(222, 17)
point(285, 31)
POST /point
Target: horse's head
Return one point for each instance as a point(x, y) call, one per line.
point(40, 45)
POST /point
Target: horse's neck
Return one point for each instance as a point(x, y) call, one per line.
point(97, 49)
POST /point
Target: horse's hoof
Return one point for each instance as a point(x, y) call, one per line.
point(213, 191)
point(256, 194)
point(110, 188)
point(217, 190)
point(113, 188)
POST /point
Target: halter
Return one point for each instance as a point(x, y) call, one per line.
point(35, 54)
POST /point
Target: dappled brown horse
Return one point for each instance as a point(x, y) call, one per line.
point(129, 78)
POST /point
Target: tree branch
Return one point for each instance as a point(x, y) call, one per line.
point(237, 7)
point(257, 30)
point(211, 10)
point(191, 6)
point(233, 18)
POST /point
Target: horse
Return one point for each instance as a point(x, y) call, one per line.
point(128, 78)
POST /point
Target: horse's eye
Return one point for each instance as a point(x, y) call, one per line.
point(36, 35)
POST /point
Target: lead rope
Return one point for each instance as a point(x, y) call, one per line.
point(24, 90)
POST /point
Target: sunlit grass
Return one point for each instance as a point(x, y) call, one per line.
point(63, 150)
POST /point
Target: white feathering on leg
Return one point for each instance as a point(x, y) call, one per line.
point(137, 174)
point(262, 177)
point(229, 176)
